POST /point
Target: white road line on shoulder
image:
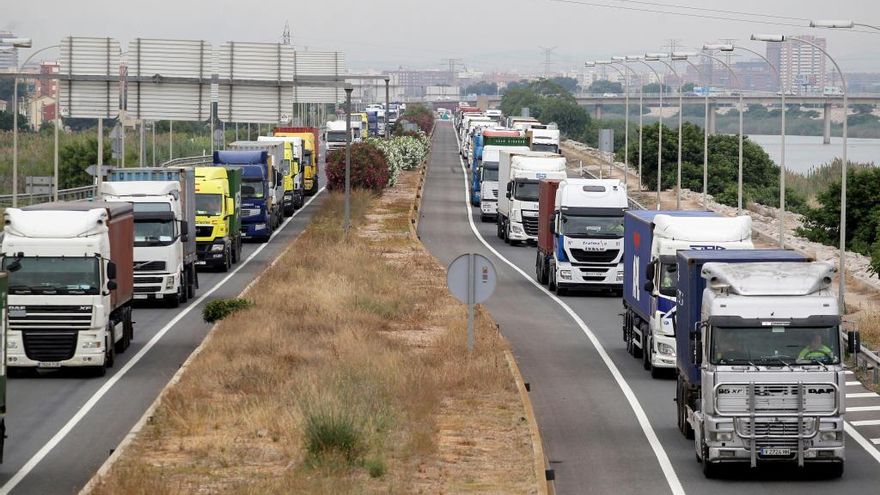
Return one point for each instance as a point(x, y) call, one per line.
point(867, 422)
point(855, 409)
point(853, 383)
point(869, 448)
point(875, 441)
point(849, 372)
point(101, 392)
point(663, 459)
point(862, 395)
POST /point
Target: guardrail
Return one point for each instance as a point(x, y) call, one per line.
point(84, 192)
point(189, 161)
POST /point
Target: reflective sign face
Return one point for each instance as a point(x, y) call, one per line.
point(476, 272)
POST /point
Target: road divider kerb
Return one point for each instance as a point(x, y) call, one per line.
point(102, 391)
point(659, 452)
point(545, 486)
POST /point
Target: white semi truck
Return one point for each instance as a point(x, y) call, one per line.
point(164, 230)
point(586, 248)
point(650, 282)
point(518, 177)
point(70, 270)
point(334, 135)
point(544, 138)
point(762, 380)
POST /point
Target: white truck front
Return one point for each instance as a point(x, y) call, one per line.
point(544, 138)
point(160, 232)
point(518, 176)
point(334, 135)
point(489, 179)
point(588, 228)
point(64, 306)
point(672, 234)
point(773, 386)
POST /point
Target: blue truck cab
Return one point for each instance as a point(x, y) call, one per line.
point(651, 240)
point(257, 216)
point(475, 169)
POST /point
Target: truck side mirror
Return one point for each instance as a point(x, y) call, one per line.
point(184, 231)
point(649, 271)
point(230, 206)
point(111, 271)
point(696, 349)
point(111, 285)
point(649, 286)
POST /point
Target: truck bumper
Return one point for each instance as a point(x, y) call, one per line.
point(661, 357)
point(518, 233)
point(155, 285)
point(208, 257)
point(256, 230)
point(589, 277)
point(87, 349)
point(488, 207)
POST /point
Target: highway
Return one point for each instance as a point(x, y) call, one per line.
point(607, 426)
point(62, 426)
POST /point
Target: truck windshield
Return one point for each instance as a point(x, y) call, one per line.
point(668, 279)
point(490, 174)
point(151, 207)
point(209, 204)
point(54, 275)
point(252, 189)
point(775, 345)
point(525, 191)
point(552, 148)
point(153, 232)
point(592, 226)
point(335, 136)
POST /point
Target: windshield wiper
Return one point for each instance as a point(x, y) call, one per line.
point(820, 363)
point(20, 288)
point(778, 359)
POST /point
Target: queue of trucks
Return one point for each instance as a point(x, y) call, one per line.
point(752, 336)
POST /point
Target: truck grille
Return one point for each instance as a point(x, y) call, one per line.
point(774, 429)
point(733, 398)
point(250, 212)
point(49, 345)
point(50, 318)
point(204, 230)
point(583, 256)
point(530, 224)
point(149, 266)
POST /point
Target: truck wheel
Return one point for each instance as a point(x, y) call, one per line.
point(184, 282)
point(647, 351)
point(711, 470)
point(227, 260)
point(539, 265)
point(110, 358)
point(500, 232)
point(191, 286)
point(636, 352)
point(173, 300)
point(125, 341)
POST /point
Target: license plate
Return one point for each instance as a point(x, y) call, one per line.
point(594, 274)
point(768, 452)
point(201, 263)
point(17, 313)
point(50, 364)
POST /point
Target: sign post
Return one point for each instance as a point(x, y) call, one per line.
point(471, 278)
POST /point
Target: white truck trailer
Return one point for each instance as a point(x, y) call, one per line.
point(518, 177)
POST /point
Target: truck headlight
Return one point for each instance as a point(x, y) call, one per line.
point(829, 436)
point(92, 345)
point(665, 349)
point(516, 215)
point(11, 344)
point(566, 274)
point(169, 281)
point(723, 436)
point(216, 248)
point(260, 226)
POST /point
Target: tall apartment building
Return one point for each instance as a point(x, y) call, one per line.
point(802, 67)
point(8, 60)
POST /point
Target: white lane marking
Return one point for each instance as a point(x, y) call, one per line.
point(854, 409)
point(867, 422)
point(869, 448)
point(647, 429)
point(101, 392)
point(862, 395)
point(853, 383)
point(849, 372)
point(875, 441)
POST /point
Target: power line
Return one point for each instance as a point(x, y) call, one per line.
point(548, 54)
point(698, 16)
point(717, 11)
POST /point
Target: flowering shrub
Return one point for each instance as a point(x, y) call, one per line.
point(419, 115)
point(402, 153)
point(369, 169)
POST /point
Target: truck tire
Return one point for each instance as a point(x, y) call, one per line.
point(184, 283)
point(236, 250)
point(110, 358)
point(314, 189)
point(193, 283)
point(498, 227)
point(635, 351)
point(125, 341)
point(646, 351)
point(227, 260)
point(173, 300)
point(539, 269)
point(681, 401)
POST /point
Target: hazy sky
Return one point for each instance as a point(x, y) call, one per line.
point(485, 34)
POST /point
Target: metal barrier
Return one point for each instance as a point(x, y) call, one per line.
point(74, 193)
point(189, 161)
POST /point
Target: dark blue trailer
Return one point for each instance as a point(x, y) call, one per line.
point(688, 313)
point(258, 220)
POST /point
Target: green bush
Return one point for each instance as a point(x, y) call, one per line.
point(218, 309)
point(376, 467)
point(334, 433)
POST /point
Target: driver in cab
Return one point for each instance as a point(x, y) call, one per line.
point(815, 350)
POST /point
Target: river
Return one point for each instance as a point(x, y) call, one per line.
point(802, 153)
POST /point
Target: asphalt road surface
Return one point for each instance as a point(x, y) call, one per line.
point(607, 426)
point(62, 426)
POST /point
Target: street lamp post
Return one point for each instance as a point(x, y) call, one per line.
point(347, 222)
point(730, 48)
point(685, 56)
point(636, 58)
point(678, 180)
point(623, 74)
point(660, 130)
point(841, 24)
point(387, 129)
point(780, 38)
point(739, 182)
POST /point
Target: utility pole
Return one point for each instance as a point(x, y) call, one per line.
point(285, 35)
point(453, 74)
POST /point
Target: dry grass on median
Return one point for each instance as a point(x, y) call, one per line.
point(348, 375)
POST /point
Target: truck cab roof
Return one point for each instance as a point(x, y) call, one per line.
point(591, 193)
point(141, 188)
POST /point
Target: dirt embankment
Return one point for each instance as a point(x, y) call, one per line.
point(349, 374)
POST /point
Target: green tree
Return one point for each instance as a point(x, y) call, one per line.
point(571, 118)
point(822, 224)
point(74, 157)
point(687, 87)
point(482, 88)
point(514, 100)
point(569, 84)
point(6, 122)
point(654, 88)
point(605, 86)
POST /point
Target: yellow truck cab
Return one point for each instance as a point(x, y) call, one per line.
point(309, 162)
point(294, 186)
point(218, 216)
point(365, 123)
